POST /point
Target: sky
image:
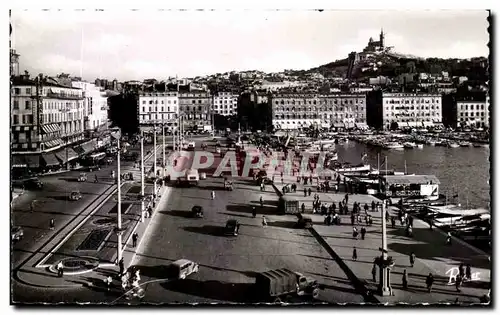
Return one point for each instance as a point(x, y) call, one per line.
point(141, 44)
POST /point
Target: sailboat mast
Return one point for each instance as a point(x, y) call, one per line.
point(378, 163)
point(405, 169)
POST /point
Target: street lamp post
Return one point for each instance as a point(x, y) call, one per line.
point(154, 165)
point(119, 216)
point(142, 176)
point(163, 140)
point(385, 270)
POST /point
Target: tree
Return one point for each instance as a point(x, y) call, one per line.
point(394, 125)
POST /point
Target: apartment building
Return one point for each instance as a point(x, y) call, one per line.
point(411, 110)
point(95, 105)
point(225, 104)
point(299, 111)
point(158, 108)
point(194, 107)
point(474, 114)
point(45, 117)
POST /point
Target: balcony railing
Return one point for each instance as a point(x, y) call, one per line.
point(64, 96)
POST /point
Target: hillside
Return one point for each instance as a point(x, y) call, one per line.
point(392, 64)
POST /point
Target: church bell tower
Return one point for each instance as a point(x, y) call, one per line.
point(382, 38)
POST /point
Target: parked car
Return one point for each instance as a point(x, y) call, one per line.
point(232, 228)
point(75, 196)
point(197, 211)
point(17, 233)
point(82, 177)
point(182, 268)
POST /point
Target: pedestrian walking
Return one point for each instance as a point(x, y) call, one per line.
point(412, 259)
point(135, 236)
point(213, 195)
point(363, 232)
point(458, 282)
point(354, 254)
point(373, 205)
point(468, 272)
point(355, 232)
point(393, 222)
point(305, 192)
point(254, 212)
point(309, 191)
point(429, 281)
point(461, 270)
point(358, 217)
point(374, 272)
point(366, 208)
point(352, 218)
point(448, 239)
point(387, 216)
point(264, 221)
point(121, 265)
point(60, 269)
point(108, 282)
point(303, 207)
point(52, 224)
point(405, 280)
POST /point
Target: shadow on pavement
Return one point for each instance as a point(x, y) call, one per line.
point(178, 213)
point(60, 198)
point(282, 224)
point(214, 188)
point(427, 251)
point(69, 179)
point(217, 290)
point(211, 230)
point(246, 208)
point(236, 215)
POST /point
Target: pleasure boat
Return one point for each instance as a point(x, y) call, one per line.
point(409, 145)
point(465, 144)
point(420, 146)
point(394, 146)
point(348, 168)
point(453, 145)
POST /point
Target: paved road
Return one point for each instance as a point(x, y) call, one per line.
point(52, 202)
point(228, 265)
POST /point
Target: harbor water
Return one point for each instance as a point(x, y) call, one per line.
point(464, 171)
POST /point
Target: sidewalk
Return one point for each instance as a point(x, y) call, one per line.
point(29, 274)
point(433, 256)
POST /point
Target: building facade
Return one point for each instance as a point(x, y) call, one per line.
point(95, 106)
point(225, 104)
point(195, 109)
point(299, 111)
point(474, 114)
point(158, 108)
point(410, 110)
point(45, 116)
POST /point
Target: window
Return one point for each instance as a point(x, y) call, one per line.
point(194, 102)
point(150, 102)
point(27, 105)
point(143, 102)
point(28, 91)
point(199, 101)
point(175, 102)
point(16, 119)
point(143, 109)
point(29, 119)
point(15, 103)
point(17, 91)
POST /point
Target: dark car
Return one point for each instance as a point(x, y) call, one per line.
point(232, 228)
point(30, 183)
point(197, 211)
point(16, 233)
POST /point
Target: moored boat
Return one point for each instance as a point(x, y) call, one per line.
point(465, 144)
point(409, 145)
point(453, 145)
point(394, 146)
point(420, 146)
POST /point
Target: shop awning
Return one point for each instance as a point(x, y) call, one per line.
point(33, 161)
point(50, 159)
point(361, 126)
point(19, 161)
point(53, 143)
point(50, 128)
point(87, 147)
point(66, 154)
